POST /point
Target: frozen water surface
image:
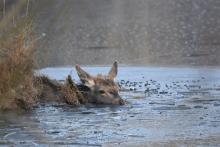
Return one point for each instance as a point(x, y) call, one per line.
point(166, 106)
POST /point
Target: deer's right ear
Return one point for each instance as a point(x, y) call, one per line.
point(85, 78)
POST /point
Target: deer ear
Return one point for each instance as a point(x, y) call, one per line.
point(85, 78)
point(114, 71)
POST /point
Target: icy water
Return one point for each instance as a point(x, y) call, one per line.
point(166, 107)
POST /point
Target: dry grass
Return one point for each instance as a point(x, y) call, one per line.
point(16, 59)
point(16, 66)
point(13, 16)
point(16, 63)
point(19, 89)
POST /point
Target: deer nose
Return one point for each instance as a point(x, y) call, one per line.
point(121, 101)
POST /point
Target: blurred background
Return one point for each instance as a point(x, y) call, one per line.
point(134, 32)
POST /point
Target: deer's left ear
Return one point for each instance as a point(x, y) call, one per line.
point(114, 71)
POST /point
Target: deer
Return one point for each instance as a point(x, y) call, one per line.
point(100, 89)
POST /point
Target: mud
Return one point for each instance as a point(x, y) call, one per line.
point(166, 107)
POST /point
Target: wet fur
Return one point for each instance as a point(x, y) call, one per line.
point(101, 89)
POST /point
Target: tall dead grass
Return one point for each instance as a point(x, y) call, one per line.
point(16, 71)
point(16, 58)
point(19, 89)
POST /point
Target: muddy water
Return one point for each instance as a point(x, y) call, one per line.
point(166, 106)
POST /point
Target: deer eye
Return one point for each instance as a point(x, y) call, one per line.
point(113, 93)
point(101, 91)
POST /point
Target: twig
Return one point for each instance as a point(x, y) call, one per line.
point(9, 134)
point(3, 8)
point(27, 7)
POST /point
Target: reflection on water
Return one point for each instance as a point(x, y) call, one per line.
point(166, 105)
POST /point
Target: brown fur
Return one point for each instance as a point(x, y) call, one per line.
point(52, 90)
point(102, 89)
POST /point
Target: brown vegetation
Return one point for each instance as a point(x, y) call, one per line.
point(16, 66)
point(19, 88)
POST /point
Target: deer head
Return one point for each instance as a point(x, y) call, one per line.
point(103, 89)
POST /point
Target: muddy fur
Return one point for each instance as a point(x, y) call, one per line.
point(44, 90)
point(54, 91)
point(41, 89)
point(102, 88)
point(71, 93)
point(50, 90)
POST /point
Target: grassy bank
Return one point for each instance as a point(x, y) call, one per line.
point(17, 90)
point(16, 66)
point(20, 89)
